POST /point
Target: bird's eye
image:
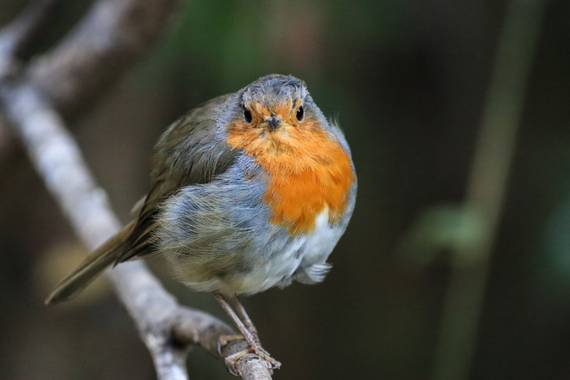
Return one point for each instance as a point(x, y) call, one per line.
point(300, 113)
point(247, 115)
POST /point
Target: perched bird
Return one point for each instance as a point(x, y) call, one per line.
point(248, 191)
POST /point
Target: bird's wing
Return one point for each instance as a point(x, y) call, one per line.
point(191, 151)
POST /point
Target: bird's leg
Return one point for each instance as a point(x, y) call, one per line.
point(251, 338)
point(247, 335)
point(245, 318)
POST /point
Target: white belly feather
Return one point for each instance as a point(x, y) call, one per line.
point(303, 259)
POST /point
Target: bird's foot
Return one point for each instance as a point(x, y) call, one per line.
point(254, 348)
point(266, 357)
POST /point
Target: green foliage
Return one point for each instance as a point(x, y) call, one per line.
point(220, 34)
point(443, 228)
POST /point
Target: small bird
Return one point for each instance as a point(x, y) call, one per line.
point(249, 191)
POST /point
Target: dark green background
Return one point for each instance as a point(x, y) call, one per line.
point(407, 81)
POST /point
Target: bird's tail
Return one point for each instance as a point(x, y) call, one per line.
point(95, 263)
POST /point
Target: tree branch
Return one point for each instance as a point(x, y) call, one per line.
point(112, 36)
point(165, 326)
point(486, 188)
point(20, 33)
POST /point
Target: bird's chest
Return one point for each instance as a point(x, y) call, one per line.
point(307, 171)
point(298, 200)
point(302, 189)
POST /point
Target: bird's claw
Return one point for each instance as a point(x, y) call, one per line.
point(266, 357)
point(233, 360)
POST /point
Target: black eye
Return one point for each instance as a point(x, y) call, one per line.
point(300, 113)
point(247, 115)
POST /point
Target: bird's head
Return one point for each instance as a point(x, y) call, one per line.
point(274, 102)
point(275, 114)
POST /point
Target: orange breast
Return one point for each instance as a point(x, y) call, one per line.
point(308, 171)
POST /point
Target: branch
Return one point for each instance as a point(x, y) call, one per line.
point(113, 35)
point(487, 186)
point(20, 33)
point(165, 326)
point(107, 42)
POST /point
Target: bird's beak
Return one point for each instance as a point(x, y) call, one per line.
point(273, 122)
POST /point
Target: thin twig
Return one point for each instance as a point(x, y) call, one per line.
point(487, 187)
point(91, 58)
point(99, 50)
point(18, 35)
point(166, 327)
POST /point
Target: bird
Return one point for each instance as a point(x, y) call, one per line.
point(249, 191)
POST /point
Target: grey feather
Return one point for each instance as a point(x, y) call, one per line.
point(95, 263)
point(205, 211)
point(189, 152)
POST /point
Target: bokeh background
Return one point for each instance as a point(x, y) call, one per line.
point(410, 83)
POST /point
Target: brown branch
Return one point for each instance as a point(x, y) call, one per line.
point(23, 30)
point(486, 188)
point(19, 34)
point(113, 35)
point(106, 43)
point(165, 326)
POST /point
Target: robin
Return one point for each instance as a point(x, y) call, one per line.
point(249, 191)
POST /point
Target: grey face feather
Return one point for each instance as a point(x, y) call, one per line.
point(274, 89)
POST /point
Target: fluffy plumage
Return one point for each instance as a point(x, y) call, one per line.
point(251, 190)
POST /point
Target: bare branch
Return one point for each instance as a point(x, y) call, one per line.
point(111, 37)
point(165, 326)
point(16, 37)
point(487, 187)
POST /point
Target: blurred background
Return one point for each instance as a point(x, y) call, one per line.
point(456, 264)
